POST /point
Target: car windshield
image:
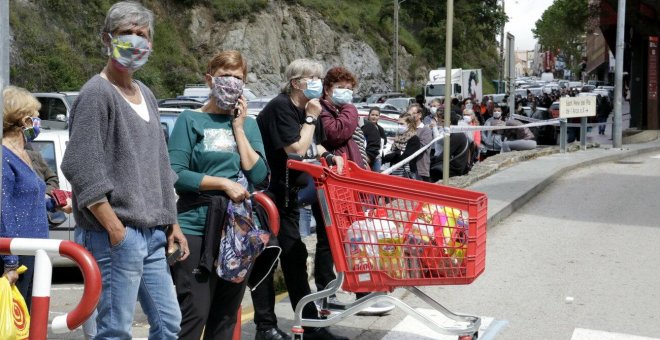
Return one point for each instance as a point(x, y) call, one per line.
point(435, 90)
point(399, 103)
point(71, 98)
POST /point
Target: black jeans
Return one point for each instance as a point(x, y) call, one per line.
point(199, 292)
point(294, 267)
point(323, 262)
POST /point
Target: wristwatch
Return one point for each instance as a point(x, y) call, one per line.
point(310, 120)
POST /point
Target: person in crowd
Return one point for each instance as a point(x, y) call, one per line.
point(407, 130)
point(603, 109)
point(44, 172)
point(425, 135)
point(421, 101)
point(339, 121)
point(374, 116)
point(434, 106)
point(517, 139)
point(289, 125)
point(24, 200)
point(218, 156)
point(459, 154)
point(492, 139)
point(119, 170)
point(470, 119)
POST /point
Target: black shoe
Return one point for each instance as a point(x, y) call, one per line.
point(272, 334)
point(321, 334)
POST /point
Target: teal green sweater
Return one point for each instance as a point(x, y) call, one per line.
point(203, 144)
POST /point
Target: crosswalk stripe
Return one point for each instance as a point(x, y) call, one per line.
point(591, 334)
point(411, 329)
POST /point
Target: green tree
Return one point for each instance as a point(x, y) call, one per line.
point(562, 27)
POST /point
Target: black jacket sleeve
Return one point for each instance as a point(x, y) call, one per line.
point(372, 136)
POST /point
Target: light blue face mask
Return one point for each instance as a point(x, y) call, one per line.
point(342, 96)
point(314, 89)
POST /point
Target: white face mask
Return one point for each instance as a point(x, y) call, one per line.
point(434, 110)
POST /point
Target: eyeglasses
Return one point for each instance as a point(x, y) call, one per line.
point(312, 78)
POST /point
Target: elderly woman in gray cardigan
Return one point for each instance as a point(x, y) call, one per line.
point(123, 196)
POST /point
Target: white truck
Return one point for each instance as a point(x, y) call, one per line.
point(465, 84)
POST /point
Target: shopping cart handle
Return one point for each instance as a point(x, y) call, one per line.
point(313, 169)
point(271, 210)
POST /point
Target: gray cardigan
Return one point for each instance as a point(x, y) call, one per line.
point(113, 153)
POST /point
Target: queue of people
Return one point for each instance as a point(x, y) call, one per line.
point(124, 175)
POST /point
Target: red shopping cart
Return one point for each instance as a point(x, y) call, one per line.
point(388, 232)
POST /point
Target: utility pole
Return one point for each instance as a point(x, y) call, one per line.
point(448, 87)
point(395, 68)
point(617, 132)
point(4, 60)
point(499, 84)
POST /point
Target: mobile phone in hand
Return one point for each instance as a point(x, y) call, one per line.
point(175, 255)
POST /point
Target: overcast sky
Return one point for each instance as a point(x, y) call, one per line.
point(522, 18)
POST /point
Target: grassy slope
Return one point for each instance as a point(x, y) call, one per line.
point(59, 45)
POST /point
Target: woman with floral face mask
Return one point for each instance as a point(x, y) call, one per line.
point(24, 201)
point(119, 170)
point(218, 155)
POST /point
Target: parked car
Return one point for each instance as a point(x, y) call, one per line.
point(385, 109)
point(256, 105)
point(381, 97)
point(201, 92)
point(180, 103)
point(495, 97)
point(401, 104)
point(52, 144)
point(55, 108)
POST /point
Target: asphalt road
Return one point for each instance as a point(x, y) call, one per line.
point(581, 254)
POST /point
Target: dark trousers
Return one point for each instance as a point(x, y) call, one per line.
point(24, 283)
point(208, 303)
point(323, 263)
point(294, 268)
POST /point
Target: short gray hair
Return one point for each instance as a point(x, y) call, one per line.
point(300, 68)
point(126, 13)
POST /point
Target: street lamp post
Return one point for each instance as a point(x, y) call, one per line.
point(448, 85)
point(4, 56)
point(395, 70)
point(499, 84)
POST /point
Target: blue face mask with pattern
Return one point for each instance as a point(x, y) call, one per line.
point(31, 133)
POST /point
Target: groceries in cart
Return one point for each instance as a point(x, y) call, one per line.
point(407, 239)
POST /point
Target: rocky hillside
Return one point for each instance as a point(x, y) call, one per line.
point(55, 44)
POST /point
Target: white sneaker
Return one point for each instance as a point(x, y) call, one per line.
point(378, 309)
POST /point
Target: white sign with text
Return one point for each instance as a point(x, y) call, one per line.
point(571, 107)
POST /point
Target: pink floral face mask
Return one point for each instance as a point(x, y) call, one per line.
point(227, 90)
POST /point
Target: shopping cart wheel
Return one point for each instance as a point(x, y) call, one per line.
point(474, 336)
point(297, 332)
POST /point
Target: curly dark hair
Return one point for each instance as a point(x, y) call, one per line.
point(337, 74)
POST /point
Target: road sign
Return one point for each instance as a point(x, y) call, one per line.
point(571, 107)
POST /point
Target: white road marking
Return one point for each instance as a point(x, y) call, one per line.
point(67, 288)
point(591, 334)
point(656, 156)
point(411, 329)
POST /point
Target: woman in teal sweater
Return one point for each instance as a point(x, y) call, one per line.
point(218, 156)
